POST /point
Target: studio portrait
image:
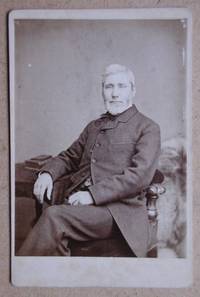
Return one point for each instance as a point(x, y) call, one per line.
point(100, 138)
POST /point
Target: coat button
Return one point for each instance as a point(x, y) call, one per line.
point(93, 160)
point(97, 144)
point(102, 131)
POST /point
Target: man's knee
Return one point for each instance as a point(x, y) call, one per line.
point(52, 212)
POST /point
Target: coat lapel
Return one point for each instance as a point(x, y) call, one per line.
point(111, 122)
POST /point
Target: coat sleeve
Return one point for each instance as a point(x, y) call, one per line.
point(136, 177)
point(67, 161)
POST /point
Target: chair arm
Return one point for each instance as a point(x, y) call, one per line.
point(152, 194)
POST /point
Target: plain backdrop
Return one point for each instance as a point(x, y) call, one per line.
point(58, 68)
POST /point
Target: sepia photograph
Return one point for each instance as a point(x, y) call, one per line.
point(100, 140)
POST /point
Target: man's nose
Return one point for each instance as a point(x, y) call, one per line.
point(115, 92)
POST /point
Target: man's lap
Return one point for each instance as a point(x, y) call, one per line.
point(95, 221)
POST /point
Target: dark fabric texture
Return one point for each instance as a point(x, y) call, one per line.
point(60, 223)
point(120, 154)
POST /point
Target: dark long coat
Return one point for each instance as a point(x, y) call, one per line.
point(120, 154)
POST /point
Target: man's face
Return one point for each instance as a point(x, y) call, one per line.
point(117, 93)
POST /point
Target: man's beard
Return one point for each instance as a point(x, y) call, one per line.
point(115, 108)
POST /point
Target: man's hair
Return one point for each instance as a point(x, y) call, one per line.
point(116, 68)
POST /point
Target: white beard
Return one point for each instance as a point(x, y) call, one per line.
point(118, 107)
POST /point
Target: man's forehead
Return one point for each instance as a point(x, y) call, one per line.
point(117, 77)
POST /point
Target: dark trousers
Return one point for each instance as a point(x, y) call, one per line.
point(60, 223)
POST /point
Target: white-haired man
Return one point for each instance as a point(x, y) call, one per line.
point(113, 159)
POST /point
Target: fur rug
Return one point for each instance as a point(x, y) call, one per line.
point(172, 204)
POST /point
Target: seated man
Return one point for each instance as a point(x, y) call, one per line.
point(112, 161)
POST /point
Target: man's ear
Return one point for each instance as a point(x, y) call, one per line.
point(133, 89)
point(102, 91)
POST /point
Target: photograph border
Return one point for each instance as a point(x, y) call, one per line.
point(102, 272)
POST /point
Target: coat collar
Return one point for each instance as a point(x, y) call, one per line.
point(122, 117)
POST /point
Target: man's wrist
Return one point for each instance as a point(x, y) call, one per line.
point(45, 172)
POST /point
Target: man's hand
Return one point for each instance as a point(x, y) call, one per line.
point(44, 182)
point(81, 198)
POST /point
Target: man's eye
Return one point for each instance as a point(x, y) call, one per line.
point(108, 86)
point(122, 86)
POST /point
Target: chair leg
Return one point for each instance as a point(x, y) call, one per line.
point(153, 253)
